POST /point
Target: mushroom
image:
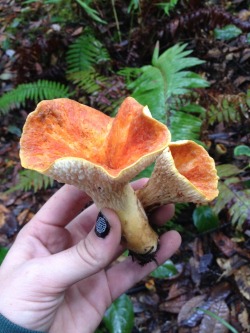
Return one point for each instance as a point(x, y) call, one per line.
point(78, 145)
point(184, 172)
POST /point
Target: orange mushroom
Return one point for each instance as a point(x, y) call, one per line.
point(78, 145)
point(184, 172)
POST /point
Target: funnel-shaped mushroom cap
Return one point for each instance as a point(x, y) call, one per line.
point(184, 172)
point(62, 133)
point(81, 146)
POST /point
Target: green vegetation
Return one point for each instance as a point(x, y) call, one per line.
point(99, 52)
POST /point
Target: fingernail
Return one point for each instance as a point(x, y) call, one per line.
point(102, 226)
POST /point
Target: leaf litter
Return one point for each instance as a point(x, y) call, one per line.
point(213, 267)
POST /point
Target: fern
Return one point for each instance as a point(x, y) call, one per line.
point(168, 6)
point(90, 11)
point(160, 85)
point(89, 80)
point(105, 92)
point(240, 210)
point(171, 64)
point(31, 180)
point(85, 52)
point(148, 89)
point(229, 109)
point(233, 195)
point(130, 74)
point(190, 116)
point(35, 91)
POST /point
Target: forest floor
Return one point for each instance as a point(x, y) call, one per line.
point(213, 267)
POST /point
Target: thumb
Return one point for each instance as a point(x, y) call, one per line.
point(87, 257)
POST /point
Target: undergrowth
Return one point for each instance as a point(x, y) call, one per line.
point(31, 180)
point(169, 85)
point(102, 65)
point(35, 91)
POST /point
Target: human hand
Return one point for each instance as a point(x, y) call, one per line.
point(57, 275)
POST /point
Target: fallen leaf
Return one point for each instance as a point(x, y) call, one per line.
point(225, 244)
point(229, 266)
point(3, 215)
point(188, 330)
point(210, 324)
point(242, 279)
point(177, 289)
point(239, 316)
point(240, 80)
point(152, 299)
point(244, 319)
point(25, 216)
point(188, 315)
point(77, 32)
point(10, 225)
point(220, 291)
point(194, 267)
point(174, 305)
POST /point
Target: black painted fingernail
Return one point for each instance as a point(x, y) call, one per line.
point(102, 226)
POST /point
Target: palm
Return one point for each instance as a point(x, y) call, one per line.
point(83, 306)
point(57, 277)
point(89, 296)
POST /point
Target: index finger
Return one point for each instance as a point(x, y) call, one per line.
point(63, 206)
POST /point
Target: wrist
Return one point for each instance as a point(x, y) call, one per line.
point(7, 326)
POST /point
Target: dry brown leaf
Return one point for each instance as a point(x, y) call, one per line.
point(151, 299)
point(239, 316)
point(225, 244)
point(188, 330)
point(244, 14)
point(210, 324)
point(4, 241)
point(177, 289)
point(244, 320)
point(3, 209)
point(242, 278)
point(194, 267)
point(8, 224)
point(240, 80)
point(174, 305)
point(179, 293)
point(25, 216)
point(77, 32)
point(188, 315)
point(3, 215)
point(2, 219)
point(220, 291)
point(229, 266)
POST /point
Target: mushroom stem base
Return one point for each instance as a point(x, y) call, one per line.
point(139, 236)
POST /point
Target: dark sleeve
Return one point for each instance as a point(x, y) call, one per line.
point(7, 326)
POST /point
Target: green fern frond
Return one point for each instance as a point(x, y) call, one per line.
point(172, 65)
point(167, 7)
point(189, 115)
point(161, 83)
point(130, 74)
point(31, 180)
point(184, 126)
point(34, 91)
point(240, 210)
point(85, 52)
point(233, 195)
point(90, 11)
point(148, 89)
point(229, 109)
point(89, 80)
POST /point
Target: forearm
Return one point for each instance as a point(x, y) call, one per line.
point(6, 326)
